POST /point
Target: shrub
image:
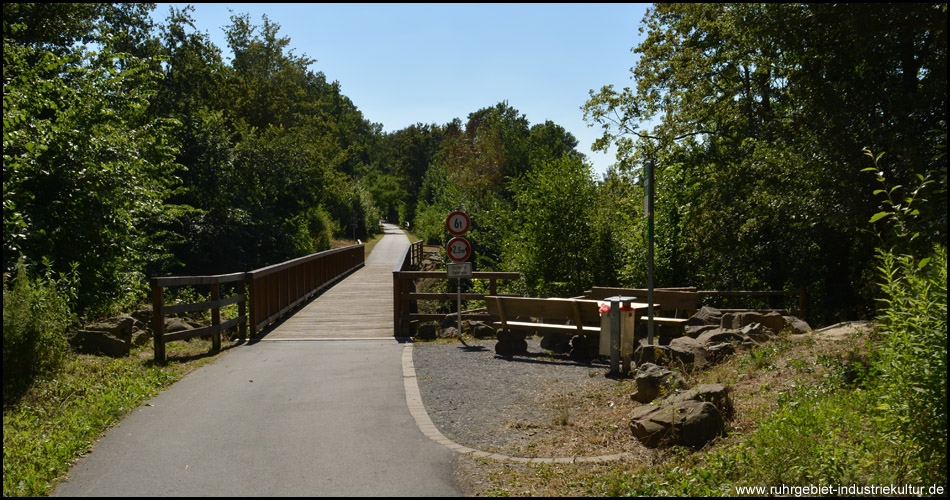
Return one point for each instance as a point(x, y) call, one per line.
point(35, 316)
point(912, 360)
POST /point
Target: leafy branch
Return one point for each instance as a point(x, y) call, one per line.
point(900, 211)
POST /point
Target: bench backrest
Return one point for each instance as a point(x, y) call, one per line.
point(685, 300)
point(553, 309)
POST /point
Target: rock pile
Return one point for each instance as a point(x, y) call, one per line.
point(116, 336)
point(696, 416)
point(711, 334)
point(689, 418)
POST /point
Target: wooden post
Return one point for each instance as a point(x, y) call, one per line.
point(397, 303)
point(253, 305)
point(158, 322)
point(801, 301)
point(242, 310)
point(216, 317)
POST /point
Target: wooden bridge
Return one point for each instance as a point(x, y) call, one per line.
point(360, 297)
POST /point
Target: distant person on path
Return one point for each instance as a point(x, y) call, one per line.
point(407, 225)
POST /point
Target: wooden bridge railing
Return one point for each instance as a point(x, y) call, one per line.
point(215, 303)
point(404, 294)
point(274, 290)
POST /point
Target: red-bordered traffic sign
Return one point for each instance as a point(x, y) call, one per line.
point(458, 223)
point(459, 249)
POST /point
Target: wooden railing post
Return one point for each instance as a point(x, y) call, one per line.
point(242, 309)
point(801, 301)
point(158, 321)
point(397, 303)
point(215, 316)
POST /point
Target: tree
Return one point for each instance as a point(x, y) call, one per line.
point(764, 111)
point(555, 237)
point(83, 165)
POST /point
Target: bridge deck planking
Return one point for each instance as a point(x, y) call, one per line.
point(360, 306)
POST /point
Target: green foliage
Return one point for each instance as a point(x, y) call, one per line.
point(912, 360)
point(84, 166)
point(484, 168)
point(36, 313)
point(909, 231)
point(554, 236)
point(759, 110)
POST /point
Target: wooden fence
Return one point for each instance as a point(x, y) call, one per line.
point(800, 293)
point(215, 303)
point(404, 291)
point(274, 290)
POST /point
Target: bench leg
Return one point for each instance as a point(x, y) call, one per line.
point(510, 342)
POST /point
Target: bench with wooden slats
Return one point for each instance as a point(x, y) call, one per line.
point(552, 314)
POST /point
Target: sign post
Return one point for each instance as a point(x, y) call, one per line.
point(648, 211)
point(459, 250)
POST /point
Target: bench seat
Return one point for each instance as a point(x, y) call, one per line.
point(527, 325)
point(551, 314)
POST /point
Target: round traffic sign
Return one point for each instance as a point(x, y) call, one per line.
point(459, 249)
point(458, 223)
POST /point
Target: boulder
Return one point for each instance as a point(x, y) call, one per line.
point(721, 335)
point(510, 343)
point(450, 321)
point(173, 325)
point(584, 348)
point(448, 333)
point(141, 337)
point(705, 316)
point(717, 352)
point(796, 325)
point(687, 344)
point(716, 394)
point(654, 381)
point(119, 327)
point(694, 331)
point(144, 316)
point(772, 320)
point(426, 331)
point(665, 355)
point(757, 332)
point(481, 330)
point(689, 423)
point(557, 342)
point(112, 337)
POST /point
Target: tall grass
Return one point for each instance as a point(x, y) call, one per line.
point(35, 317)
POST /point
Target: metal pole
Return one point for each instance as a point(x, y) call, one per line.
point(649, 210)
point(458, 291)
point(615, 336)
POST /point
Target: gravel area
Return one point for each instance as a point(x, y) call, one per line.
point(493, 403)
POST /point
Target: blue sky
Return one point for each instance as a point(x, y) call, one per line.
point(403, 64)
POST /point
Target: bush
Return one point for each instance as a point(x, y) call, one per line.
point(912, 360)
point(35, 316)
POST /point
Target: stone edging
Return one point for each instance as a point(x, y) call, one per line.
point(418, 411)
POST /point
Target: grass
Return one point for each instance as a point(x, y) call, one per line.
point(59, 419)
point(802, 418)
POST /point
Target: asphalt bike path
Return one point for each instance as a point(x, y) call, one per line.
point(309, 410)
